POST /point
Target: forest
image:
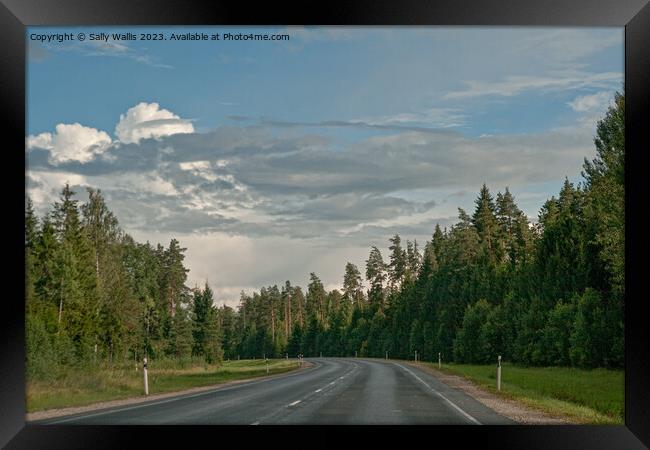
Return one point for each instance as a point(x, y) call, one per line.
point(546, 293)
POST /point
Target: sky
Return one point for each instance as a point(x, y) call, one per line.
point(272, 159)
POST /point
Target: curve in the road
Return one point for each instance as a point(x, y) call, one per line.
point(333, 391)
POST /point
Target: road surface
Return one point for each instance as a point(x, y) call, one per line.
point(332, 391)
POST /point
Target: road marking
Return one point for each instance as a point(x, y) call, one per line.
point(181, 397)
point(255, 423)
point(284, 411)
point(472, 419)
point(332, 383)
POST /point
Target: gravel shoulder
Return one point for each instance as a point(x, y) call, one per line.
point(52, 413)
point(506, 407)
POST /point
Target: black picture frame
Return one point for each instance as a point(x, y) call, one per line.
point(634, 15)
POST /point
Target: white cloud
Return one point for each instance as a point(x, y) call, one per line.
point(44, 186)
point(233, 263)
point(195, 165)
point(71, 142)
point(43, 140)
point(148, 120)
point(513, 85)
point(559, 46)
point(437, 117)
point(592, 103)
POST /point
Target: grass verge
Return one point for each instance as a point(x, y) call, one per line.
point(84, 387)
point(582, 396)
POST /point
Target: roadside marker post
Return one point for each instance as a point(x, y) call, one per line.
point(355, 353)
point(267, 366)
point(439, 361)
point(386, 355)
point(499, 374)
point(416, 356)
point(146, 378)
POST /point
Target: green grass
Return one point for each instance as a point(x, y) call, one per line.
point(583, 396)
point(84, 387)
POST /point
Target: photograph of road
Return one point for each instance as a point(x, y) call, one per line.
point(325, 225)
point(348, 392)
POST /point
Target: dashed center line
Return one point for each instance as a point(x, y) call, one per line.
point(332, 382)
point(318, 390)
point(295, 403)
point(255, 423)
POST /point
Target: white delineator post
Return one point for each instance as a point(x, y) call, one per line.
point(416, 356)
point(499, 374)
point(439, 361)
point(146, 378)
point(386, 355)
point(267, 366)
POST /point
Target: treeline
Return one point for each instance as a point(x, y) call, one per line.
point(549, 293)
point(94, 294)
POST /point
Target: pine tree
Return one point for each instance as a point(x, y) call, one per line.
point(181, 339)
point(376, 275)
point(202, 303)
point(353, 285)
point(605, 184)
point(174, 274)
point(485, 222)
point(398, 263)
point(413, 260)
point(316, 298)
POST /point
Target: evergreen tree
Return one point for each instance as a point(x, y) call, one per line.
point(353, 285)
point(316, 298)
point(605, 183)
point(398, 263)
point(551, 293)
point(376, 275)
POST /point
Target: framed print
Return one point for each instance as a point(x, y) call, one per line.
point(355, 216)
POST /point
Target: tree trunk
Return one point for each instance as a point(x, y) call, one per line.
point(172, 309)
point(60, 311)
point(290, 321)
point(286, 320)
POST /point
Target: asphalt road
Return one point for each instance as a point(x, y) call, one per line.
point(333, 391)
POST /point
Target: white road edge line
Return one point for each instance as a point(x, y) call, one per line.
point(472, 419)
point(173, 399)
point(295, 403)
